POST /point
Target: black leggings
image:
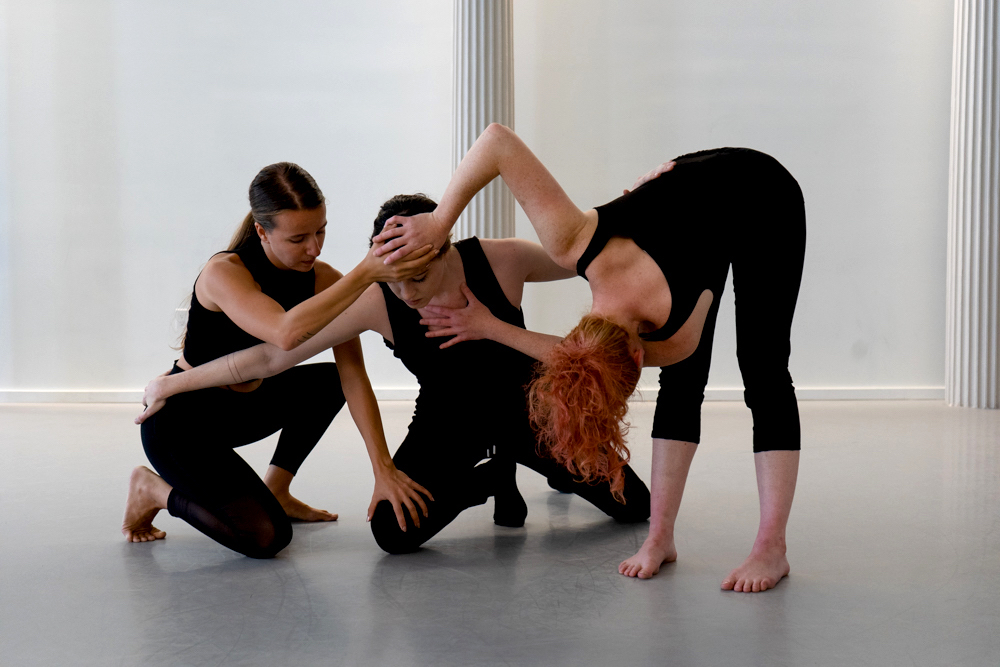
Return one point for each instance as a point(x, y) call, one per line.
point(443, 459)
point(765, 243)
point(190, 443)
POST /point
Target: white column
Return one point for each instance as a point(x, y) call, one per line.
point(483, 94)
point(972, 365)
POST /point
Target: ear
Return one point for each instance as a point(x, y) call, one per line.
point(261, 232)
point(638, 356)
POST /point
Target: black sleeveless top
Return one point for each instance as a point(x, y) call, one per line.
point(476, 384)
point(680, 219)
point(211, 335)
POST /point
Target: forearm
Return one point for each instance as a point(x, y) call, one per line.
point(532, 343)
point(309, 317)
point(364, 411)
point(249, 364)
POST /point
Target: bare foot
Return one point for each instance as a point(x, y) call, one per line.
point(651, 556)
point(298, 510)
point(147, 494)
point(762, 569)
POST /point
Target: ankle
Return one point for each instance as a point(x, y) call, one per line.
point(660, 536)
point(769, 543)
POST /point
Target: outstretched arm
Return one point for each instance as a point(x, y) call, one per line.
point(227, 284)
point(563, 229)
point(476, 322)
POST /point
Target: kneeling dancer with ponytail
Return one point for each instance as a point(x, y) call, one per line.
point(268, 286)
point(657, 260)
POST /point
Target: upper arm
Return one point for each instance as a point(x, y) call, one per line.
point(227, 284)
point(563, 229)
point(516, 261)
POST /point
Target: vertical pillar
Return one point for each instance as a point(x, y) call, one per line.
point(972, 366)
point(483, 94)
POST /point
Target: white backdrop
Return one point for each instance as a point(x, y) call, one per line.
point(129, 132)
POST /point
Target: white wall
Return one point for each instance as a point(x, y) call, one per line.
point(134, 131)
point(853, 97)
point(130, 131)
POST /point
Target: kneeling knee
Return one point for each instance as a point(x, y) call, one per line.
point(387, 534)
point(268, 542)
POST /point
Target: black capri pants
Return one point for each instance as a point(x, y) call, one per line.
point(763, 237)
point(191, 440)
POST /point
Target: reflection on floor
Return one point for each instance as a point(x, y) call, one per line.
point(894, 544)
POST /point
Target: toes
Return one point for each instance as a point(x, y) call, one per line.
point(728, 584)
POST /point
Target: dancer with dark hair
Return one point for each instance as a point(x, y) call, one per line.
point(657, 260)
point(472, 403)
point(268, 286)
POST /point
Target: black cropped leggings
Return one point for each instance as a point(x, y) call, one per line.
point(764, 240)
point(445, 464)
point(190, 443)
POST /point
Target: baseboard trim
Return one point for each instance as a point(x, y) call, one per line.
point(410, 393)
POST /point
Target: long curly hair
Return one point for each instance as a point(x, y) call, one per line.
point(579, 402)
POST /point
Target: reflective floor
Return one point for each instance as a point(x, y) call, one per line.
point(894, 544)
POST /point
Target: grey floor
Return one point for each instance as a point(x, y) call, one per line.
point(894, 544)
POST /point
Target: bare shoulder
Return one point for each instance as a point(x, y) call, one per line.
point(224, 274)
point(326, 275)
point(507, 249)
point(225, 268)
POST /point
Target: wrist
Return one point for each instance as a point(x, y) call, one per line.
point(362, 275)
point(166, 386)
point(382, 466)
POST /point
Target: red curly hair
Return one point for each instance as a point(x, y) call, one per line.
point(578, 403)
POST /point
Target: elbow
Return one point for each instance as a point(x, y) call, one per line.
point(290, 338)
point(496, 131)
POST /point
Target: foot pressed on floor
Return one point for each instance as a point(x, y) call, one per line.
point(509, 508)
point(653, 553)
point(762, 569)
point(298, 510)
point(146, 496)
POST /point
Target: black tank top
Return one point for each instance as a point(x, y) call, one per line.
point(681, 219)
point(475, 384)
point(211, 335)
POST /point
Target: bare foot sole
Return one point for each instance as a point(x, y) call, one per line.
point(648, 560)
point(759, 572)
point(298, 510)
point(141, 506)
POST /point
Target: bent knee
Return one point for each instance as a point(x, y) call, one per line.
point(269, 540)
point(387, 534)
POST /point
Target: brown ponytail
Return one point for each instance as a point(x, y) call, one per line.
point(245, 232)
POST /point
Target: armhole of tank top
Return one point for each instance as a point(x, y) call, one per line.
point(389, 305)
point(597, 242)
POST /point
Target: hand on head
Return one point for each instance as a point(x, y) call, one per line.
point(411, 264)
point(403, 234)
